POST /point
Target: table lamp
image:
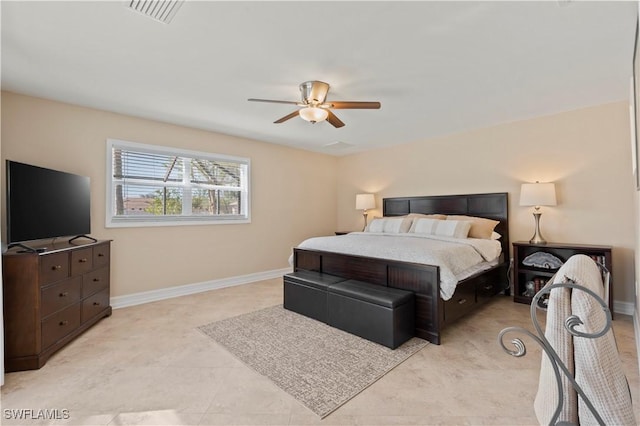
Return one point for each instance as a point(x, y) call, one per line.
point(537, 194)
point(365, 202)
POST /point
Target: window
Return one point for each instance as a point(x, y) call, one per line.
point(151, 185)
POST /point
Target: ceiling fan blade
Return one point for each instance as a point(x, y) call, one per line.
point(353, 105)
point(287, 117)
point(272, 101)
point(333, 120)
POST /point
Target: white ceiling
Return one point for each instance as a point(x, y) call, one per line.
point(437, 67)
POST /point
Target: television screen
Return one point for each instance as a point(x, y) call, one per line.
point(44, 203)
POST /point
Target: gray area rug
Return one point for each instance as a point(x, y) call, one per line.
point(322, 367)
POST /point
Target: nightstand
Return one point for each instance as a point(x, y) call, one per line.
point(523, 274)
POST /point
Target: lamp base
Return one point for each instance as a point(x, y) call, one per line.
point(537, 237)
point(365, 221)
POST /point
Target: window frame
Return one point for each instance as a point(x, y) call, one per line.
point(123, 221)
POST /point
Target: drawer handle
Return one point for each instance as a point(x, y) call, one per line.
point(95, 280)
point(96, 303)
point(56, 267)
point(462, 301)
point(62, 323)
point(100, 254)
point(83, 260)
point(64, 294)
point(488, 287)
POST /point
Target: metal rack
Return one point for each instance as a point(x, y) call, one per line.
point(570, 323)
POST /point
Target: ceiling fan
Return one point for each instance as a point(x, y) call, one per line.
point(315, 106)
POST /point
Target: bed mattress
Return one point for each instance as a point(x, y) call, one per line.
point(458, 258)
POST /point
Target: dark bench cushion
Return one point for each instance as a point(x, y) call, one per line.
point(313, 279)
point(381, 314)
point(378, 295)
point(305, 292)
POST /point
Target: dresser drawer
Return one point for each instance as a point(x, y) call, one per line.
point(81, 261)
point(488, 286)
point(95, 281)
point(491, 283)
point(101, 255)
point(93, 305)
point(60, 295)
point(54, 267)
point(58, 325)
point(462, 301)
point(487, 289)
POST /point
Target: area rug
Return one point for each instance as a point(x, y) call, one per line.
point(320, 366)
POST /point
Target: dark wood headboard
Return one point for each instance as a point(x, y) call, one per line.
point(491, 206)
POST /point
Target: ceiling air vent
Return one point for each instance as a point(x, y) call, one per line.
point(338, 145)
point(158, 10)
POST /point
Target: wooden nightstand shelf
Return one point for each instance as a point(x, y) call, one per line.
point(523, 274)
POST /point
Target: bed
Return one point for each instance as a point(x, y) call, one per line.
point(432, 312)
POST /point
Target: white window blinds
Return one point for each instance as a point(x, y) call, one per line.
point(150, 185)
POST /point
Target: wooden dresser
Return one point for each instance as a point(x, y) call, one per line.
point(51, 297)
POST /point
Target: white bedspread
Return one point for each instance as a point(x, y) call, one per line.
point(452, 255)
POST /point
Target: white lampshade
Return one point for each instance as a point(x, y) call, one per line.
point(314, 114)
point(538, 194)
point(365, 201)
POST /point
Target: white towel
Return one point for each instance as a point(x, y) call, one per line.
point(598, 367)
point(596, 362)
point(558, 309)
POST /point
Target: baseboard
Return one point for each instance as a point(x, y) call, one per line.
point(625, 308)
point(636, 327)
point(184, 290)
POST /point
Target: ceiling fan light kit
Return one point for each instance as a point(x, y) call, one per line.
point(315, 107)
point(314, 114)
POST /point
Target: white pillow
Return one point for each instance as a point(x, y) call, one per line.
point(376, 225)
point(453, 228)
point(495, 236)
point(442, 228)
point(386, 225)
point(424, 226)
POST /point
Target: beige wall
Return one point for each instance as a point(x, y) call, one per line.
point(585, 152)
point(70, 138)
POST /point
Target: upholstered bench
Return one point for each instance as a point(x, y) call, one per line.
point(305, 292)
point(381, 314)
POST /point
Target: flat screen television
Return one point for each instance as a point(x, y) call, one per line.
point(44, 203)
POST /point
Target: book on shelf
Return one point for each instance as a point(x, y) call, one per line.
point(599, 259)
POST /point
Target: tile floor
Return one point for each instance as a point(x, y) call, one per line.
point(148, 365)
